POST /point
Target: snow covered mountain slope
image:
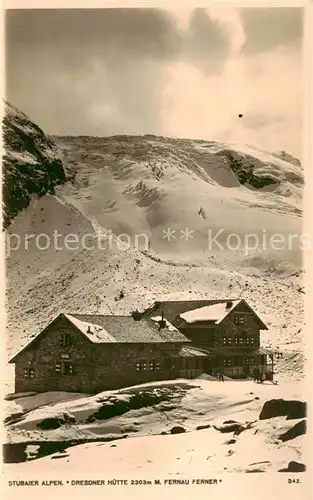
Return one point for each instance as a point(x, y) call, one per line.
point(149, 184)
point(113, 215)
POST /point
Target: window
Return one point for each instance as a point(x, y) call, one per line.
point(236, 340)
point(64, 368)
point(240, 340)
point(151, 365)
point(224, 340)
point(66, 340)
point(227, 362)
point(249, 360)
point(248, 340)
point(230, 340)
point(29, 373)
point(238, 320)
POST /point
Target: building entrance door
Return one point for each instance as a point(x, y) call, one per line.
point(175, 369)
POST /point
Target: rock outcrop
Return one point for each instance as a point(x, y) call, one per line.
point(30, 165)
point(295, 431)
point(294, 467)
point(281, 407)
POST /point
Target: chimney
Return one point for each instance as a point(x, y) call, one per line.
point(136, 315)
point(229, 304)
point(162, 322)
point(89, 329)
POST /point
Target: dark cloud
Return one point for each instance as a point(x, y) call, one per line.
point(99, 71)
point(268, 28)
point(145, 31)
point(88, 71)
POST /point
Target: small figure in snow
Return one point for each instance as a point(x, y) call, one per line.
point(256, 374)
point(221, 376)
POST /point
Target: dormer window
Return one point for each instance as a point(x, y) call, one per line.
point(66, 340)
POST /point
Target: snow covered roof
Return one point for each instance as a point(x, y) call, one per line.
point(191, 311)
point(124, 329)
point(214, 312)
point(95, 332)
point(173, 308)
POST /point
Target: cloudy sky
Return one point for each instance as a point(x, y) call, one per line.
point(183, 73)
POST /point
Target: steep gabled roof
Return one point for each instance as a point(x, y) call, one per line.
point(102, 329)
point(180, 311)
